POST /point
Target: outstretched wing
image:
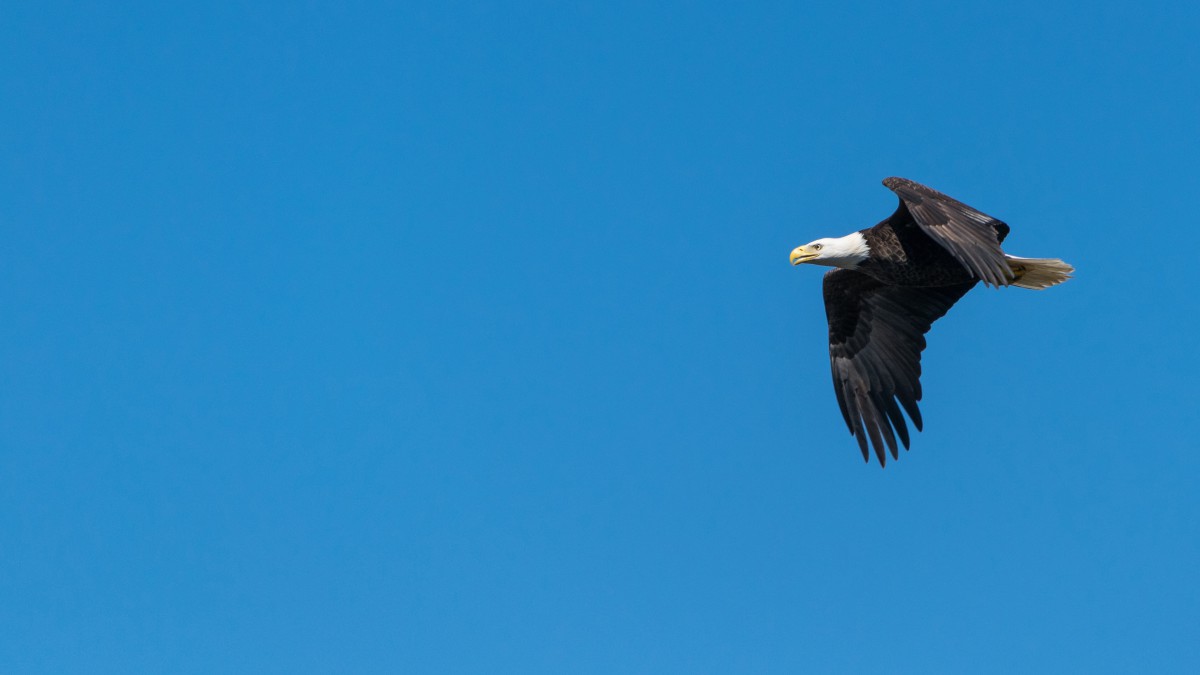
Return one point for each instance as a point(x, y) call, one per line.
point(973, 238)
point(876, 334)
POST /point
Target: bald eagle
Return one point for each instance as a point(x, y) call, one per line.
point(892, 282)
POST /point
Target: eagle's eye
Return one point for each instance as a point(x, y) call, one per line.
point(816, 247)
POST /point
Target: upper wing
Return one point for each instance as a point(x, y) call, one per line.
point(970, 236)
point(876, 334)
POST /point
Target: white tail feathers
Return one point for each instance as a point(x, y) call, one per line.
point(1038, 273)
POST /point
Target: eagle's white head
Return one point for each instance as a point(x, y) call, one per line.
point(845, 252)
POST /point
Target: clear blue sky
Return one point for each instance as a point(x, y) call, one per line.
point(453, 337)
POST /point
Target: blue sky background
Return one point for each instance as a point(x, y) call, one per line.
point(454, 337)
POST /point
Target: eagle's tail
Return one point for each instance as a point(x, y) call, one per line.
point(1038, 273)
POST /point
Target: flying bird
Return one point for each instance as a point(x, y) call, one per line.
point(892, 282)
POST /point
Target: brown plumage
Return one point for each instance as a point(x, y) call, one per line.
point(895, 280)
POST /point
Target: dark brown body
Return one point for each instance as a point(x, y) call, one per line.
point(903, 255)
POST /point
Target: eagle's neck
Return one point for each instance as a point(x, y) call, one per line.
point(847, 252)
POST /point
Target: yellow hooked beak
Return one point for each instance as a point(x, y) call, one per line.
point(802, 254)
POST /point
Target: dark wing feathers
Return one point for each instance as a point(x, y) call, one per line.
point(973, 238)
point(876, 334)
